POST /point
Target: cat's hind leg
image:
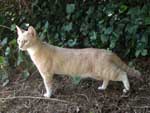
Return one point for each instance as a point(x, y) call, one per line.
point(104, 85)
point(123, 77)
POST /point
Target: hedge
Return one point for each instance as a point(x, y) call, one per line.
point(121, 26)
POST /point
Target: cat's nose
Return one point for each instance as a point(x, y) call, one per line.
point(20, 46)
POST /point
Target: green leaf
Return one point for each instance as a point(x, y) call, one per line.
point(13, 42)
point(108, 31)
point(20, 58)
point(130, 64)
point(4, 42)
point(104, 38)
point(137, 53)
point(90, 11)
point(5, 82)
point(25, 74)
point(144, 52)
point(2, 60)
point(7, 51)
point(147, 21)
point(13, 27)
point(2, 20)
point(123, 8)
point(134, 11)
point(70, 8)
point(46, 25)
point(132, 29)
point(76, 79)
point(112, 44)
point(91, 112)
point(115, 35)
point(71, 42)
point(68, 27)
point(101, 21)
point(93, 35)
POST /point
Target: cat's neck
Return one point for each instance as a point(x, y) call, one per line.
point(35, 47)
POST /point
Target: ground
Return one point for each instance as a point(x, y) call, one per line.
point(25, 96)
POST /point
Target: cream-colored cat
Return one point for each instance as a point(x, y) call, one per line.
point(99, 64)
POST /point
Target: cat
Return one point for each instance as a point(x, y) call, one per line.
point(99, 64)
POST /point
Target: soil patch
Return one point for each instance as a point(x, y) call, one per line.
point(25, 96)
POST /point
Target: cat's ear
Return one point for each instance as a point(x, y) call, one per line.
point(32, 31)
point(19, 31)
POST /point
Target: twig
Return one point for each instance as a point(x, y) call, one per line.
point(32, 97)
point(7, 91)
point(141, 107)
point(139, 98)
point(34, 72)
point(6, 27)
point(83, 95)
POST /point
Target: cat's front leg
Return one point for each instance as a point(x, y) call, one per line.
point(47, 78)
point(48, 88)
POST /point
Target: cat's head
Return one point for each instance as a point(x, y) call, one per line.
point(26, 38)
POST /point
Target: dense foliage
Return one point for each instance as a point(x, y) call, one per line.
point(122, 26)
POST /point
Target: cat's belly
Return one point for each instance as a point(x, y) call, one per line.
point(81, 73)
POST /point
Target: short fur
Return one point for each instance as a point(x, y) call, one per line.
point(98, 64)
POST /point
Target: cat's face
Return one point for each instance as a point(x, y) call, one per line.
point(26, 39)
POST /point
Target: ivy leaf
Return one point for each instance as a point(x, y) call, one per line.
point(13, 42)
point(25, 74)
point(2, 19)
point(112, 44)
point(123, 8)
point(46, 25)
point(68, 27)
point(147, 21)
point(93, 35)
point(134, 11)
point(108, 31)
point(13, 27)
point(7, 51)
point(20, 58)
point(72, 43)
point(104, 38)
point(5, 83)
point(101, 21)
point(76, 80)
point(70, 8)
point(4, 42)
point(137, 53)
point(144, 52)
point(132, 29)
point(90, 10)
point(2, 60)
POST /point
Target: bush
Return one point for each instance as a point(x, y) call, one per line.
point(123, 27)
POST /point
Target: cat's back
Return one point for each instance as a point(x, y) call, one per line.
point(83, 51)
point(91, 53)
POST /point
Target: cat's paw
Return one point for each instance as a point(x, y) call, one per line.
point(125, 91)
point(101, 88)
point(47, 95)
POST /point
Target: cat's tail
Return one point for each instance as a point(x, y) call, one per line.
point(130, 71)
point(135, 73)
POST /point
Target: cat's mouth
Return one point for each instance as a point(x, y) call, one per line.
point(22, 49)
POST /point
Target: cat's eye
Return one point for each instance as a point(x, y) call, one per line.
point(18, 41)
point(25, 41)
point(22, 41)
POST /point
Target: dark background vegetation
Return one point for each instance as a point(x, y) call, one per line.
point(122, 26)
